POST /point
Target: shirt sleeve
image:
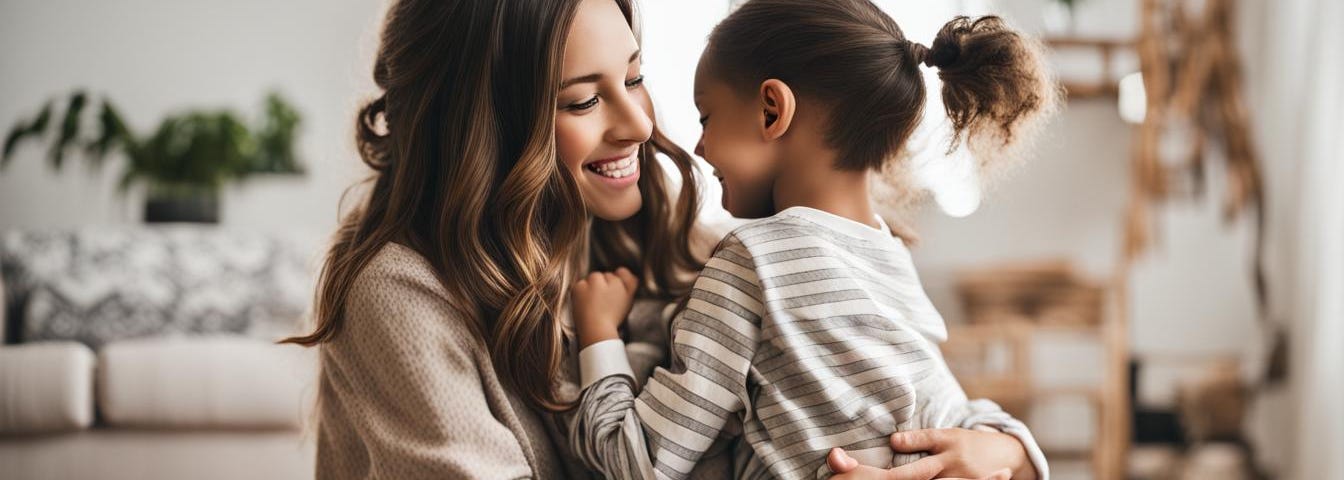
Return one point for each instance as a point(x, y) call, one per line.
point(603, 359)
point(684, 408)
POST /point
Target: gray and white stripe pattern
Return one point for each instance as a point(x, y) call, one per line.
point(804, 332)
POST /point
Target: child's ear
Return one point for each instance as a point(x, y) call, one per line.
point(777, 108)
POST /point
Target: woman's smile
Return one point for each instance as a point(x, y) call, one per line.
point(616, 172)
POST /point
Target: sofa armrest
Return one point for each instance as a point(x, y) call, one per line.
point(46, 387)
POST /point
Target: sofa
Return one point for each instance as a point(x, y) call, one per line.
point(149, 353)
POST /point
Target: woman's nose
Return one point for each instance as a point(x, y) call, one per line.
point(631, 123)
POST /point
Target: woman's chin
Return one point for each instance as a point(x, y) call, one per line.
point(615, 210)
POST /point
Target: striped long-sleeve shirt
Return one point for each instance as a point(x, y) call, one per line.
point(805, 331)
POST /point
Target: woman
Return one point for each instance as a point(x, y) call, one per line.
point(513, 150)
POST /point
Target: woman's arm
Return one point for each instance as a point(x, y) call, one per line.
point(405, 383)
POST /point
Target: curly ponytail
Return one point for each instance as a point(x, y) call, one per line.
point(994, 79)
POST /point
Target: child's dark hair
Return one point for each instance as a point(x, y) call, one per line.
point(853, 58)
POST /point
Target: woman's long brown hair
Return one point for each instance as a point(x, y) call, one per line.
point(462, 144)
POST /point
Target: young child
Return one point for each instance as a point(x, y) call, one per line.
point(808, 329)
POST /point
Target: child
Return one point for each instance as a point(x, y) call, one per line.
point(808, 329)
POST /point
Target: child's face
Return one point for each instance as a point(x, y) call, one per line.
point(732, 141)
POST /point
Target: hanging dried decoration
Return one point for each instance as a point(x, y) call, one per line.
point(1195, 112)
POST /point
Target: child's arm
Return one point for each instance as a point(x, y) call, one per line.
point(682, 410)
point(601, 301)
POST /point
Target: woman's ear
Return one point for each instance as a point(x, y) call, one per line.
point(777, 108)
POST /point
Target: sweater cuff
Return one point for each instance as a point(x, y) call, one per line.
point(601, 360)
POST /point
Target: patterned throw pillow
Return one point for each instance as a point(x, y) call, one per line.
point(96, 285)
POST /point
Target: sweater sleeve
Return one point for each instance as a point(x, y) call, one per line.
point(673, 422)
point(405, 379)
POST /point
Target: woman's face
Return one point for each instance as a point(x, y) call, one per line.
point(603, 113)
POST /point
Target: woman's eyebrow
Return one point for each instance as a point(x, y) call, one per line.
point(593, 77)
point(589, 78)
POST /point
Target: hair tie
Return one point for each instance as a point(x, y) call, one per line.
point(919, 53)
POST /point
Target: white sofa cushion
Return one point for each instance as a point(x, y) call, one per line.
point(204, 382)
point(45, 387)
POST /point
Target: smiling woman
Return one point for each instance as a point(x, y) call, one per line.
point(513, 148)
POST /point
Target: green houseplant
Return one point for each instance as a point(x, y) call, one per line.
point(183, 164)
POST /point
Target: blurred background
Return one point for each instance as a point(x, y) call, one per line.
point(1158, 290)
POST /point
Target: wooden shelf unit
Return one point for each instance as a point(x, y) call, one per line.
point(1107, 84)
point(1016, 388)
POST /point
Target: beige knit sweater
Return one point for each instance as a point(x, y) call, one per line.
point(407, 392)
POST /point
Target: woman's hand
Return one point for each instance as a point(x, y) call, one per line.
point(953, 453)
point(601, 302)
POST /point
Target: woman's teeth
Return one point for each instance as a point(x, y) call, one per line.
point(616, 169)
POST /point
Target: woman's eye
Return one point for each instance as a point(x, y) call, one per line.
point(635, 82)
point(590, 103)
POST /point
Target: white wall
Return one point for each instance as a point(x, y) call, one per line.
point(152, 58)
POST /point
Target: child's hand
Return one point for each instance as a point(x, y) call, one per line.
point(600, 303)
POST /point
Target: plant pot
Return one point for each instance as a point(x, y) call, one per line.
point(179, 204)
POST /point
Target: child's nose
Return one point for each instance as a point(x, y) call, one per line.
point(700, 147)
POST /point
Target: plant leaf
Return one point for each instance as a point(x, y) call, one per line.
point(69, 128)
point(20, 132)
point(275, 138)
point(112, 133)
